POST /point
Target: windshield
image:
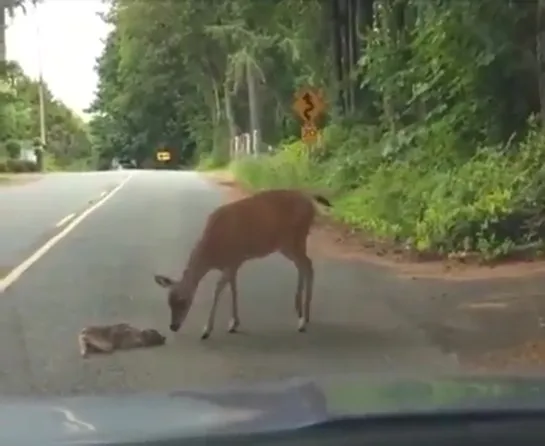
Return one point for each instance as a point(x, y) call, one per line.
point(205, 194)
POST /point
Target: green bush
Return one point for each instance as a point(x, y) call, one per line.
point(17, 166)
point(13, 149)
point(291, 166)
point(492, 202)
point(211, 161)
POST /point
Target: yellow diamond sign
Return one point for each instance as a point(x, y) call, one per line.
point(309, 104)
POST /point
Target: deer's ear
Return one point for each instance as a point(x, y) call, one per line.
point(163, 281)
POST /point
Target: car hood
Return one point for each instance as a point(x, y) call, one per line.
point(275, 406)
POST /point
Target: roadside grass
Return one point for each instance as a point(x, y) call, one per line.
point(11, 179)
point(6, 178)
point(468, 209)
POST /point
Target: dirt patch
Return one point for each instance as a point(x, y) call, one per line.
point(341, 241)
point(227, 182)
point(334, 239)
point(529, 354)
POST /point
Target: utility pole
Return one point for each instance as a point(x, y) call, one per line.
point(3, 14)
point(42, 111)
point(5, 8)
point(43, 133)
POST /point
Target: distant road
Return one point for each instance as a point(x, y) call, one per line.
point(31, 211)
point(102, 272)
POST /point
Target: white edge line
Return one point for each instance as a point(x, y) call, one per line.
point(103, 194)
point(19, 270)
point(65, 220)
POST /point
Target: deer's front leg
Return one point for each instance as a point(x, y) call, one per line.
point(235, 321)
point(223, 280)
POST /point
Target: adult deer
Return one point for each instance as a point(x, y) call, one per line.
point(254, 227)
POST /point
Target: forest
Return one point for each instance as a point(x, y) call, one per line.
point(433, 133)
point(67, 139)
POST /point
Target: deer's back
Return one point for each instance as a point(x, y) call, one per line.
point(257, 226)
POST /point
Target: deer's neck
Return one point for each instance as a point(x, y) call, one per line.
point(197, 267)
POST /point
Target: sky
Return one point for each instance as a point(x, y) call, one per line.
point(68, 35)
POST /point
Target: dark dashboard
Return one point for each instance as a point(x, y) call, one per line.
point(328, 411)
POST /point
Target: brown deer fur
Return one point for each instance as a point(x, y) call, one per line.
point(107, 338)
point(256, 226)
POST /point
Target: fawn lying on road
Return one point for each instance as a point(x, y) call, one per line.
point(256, 226)
point(107, 338)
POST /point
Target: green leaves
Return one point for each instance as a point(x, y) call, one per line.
point(185, 62)
point(19, 120)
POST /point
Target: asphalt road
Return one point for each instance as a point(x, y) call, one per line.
point(34, 208)
point(102, 272)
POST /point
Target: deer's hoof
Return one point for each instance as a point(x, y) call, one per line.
point(302, 326)
point(205, 335)
point(233, 326)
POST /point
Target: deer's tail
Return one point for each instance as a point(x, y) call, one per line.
point(322, 200)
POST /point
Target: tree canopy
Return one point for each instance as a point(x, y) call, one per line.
point(177, 73)
point(67, 135)
point(433, 133)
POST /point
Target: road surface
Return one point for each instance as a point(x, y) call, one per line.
point(102, 272)
point(34, 208)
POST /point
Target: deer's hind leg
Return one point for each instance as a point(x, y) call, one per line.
point(99, 345)
point(297, 253)
point(235, 320)
point(305, 264)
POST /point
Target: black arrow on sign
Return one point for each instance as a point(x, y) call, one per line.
point(310, 106)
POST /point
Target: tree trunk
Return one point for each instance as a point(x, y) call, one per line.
point(337, 53)
point(6, 6)
point(229, 114)
point(365, 21)
point(385, 24)
point(3, 13)
point(540, 51)
point(350, 62)
point(355, 50)
point(345, 54)
point(219, 144)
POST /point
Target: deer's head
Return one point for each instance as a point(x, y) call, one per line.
point(152, 337)
point(179, 300)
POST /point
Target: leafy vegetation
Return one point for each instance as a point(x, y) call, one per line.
point(68, 144)
point(434, 132)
